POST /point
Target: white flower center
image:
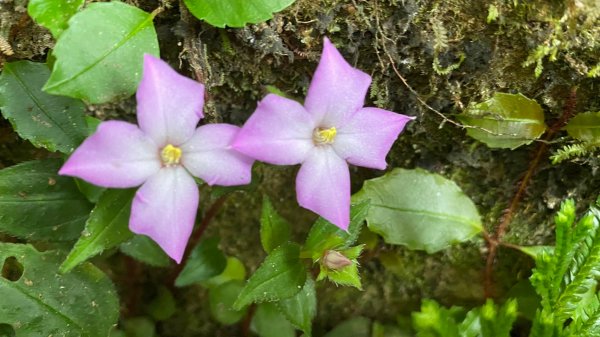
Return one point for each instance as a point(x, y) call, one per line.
point(170, 155)
point(322, 136)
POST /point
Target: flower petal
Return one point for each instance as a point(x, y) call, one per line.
point(278, 132)
point(164, 209)
point(209, 156)
point(337, 90)
point(368, 136)
point(117, 155)
point(323, 186)
point(169, 105)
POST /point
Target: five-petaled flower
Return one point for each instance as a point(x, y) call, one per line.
point(161, 155)
point(331, 130)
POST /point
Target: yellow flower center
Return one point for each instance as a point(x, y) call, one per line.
point(170, 155)
point(323, 136)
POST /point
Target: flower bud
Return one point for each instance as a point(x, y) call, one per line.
point(335, 260)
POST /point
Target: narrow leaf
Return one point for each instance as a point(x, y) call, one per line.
point(507, 120)
point(52, 122)
point(274, 229)
point(280, 276)
point(106, 228)
point(53, 14)
point(40, 302)
point(99, 59)
point(420, 210)
point(235, 13)
point(206, 261)
point(301, 309)
point(38, 204)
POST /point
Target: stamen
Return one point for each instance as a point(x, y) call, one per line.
point(170, 155)
point(323, 136)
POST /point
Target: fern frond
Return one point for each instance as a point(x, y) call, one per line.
point(572, 151)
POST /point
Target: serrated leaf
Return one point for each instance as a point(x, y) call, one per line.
point(274, 229)
point(280, 276)
point(324, 235)
point(205, 261)
point(420, 210)
point(44, 303)
point(221, 299)
point(99, 59)
point(235, 13)
point(301, 309)
point(38, 204)
point(269, 322)
point(53, 14)
point(585, 127)
point(52, 122)
point(508, 120)
point(142, 248)
point(107, 227)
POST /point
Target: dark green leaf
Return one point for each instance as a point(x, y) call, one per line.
point(107, 227)
point(221, 299)
point(99, 59)
point(274, 229)
point(163, 306)
point(268, 322)
point(206, 261)
point(41, 302)
point(38, 204)
point(280, 276)
point(508, 120)
point(354, 327)
point(52, 122)
point(585, 127)
point(324, 235)
point(144, 249)
point(420, 210)
point(301, 309)
point(53, 14)
point(235, 13)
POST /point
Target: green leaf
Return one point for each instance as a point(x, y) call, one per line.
point(353, 327)
point(107, 227)
point(436, 321)
point(585, 127)
point(52, 122)
point(99, 59)
point(206, 261)
point(497, 321)
point(38, 204)
point(269, 322)
point(274, 229)
point(235, 13)
point(420, 210)
point(234, 270)
point(221, 299)
point(53, 14)
point(301, 309)
point(280, 276)
point(163, 306)
point(41, 302)
point(324, 235)
point(508, 120)
point(142, 248)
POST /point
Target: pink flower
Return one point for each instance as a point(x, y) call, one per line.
point(162, 155)
point(331, 130)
